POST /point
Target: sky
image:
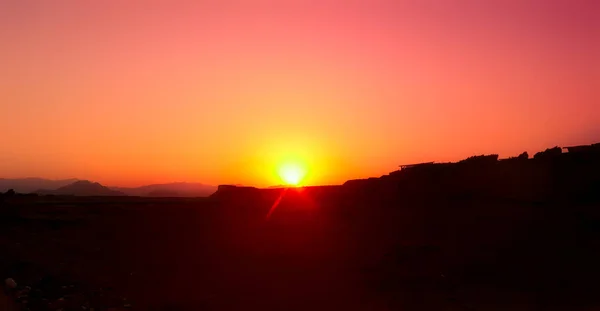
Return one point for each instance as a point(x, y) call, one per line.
point(226, 92)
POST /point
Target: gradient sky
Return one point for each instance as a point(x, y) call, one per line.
point(136, 92)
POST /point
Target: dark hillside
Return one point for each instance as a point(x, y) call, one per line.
point(480, 234)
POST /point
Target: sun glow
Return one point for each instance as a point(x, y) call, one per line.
point(292, 173)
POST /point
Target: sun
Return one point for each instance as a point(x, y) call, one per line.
point(292, 173)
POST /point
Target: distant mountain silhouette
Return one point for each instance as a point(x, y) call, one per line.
point(179, 189)
point(28, 185)
point(83, 188)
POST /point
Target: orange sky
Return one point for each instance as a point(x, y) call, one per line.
point(136, 92)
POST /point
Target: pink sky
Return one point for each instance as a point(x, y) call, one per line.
point(136, 92)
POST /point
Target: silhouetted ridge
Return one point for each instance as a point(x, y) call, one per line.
point(548, 153)
point(481, 159)
point(551, 174)
point(178, 189)
point(224, 191)
point(83, 188)
point(27, 185)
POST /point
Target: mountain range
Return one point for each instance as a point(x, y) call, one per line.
point(179, 189)
point(82, 188)
point(88, 188)
point(29, 185)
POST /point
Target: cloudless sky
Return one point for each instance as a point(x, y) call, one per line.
point(136, 92)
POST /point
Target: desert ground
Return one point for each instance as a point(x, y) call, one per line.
point(321, 249)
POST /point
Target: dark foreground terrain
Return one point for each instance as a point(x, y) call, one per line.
point(481, 235)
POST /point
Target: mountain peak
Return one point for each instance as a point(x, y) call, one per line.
point(85, 183)
point(84, 188)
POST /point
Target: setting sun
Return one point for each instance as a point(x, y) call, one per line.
point(292, 173)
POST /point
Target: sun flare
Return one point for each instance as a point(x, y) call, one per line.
point(292, 174)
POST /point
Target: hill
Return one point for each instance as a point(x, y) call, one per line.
point(82, 188)
point(179, 189)
point(28, 185)
point(550, 175)
point(480, 234)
